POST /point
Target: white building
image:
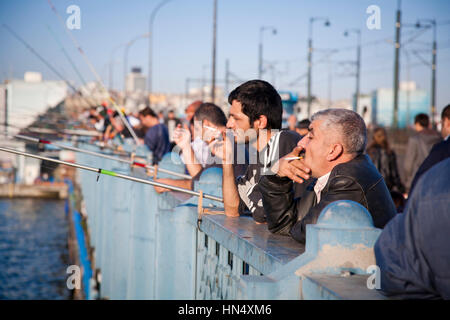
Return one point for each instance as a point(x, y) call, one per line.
point(21, 101)
point(135, 81)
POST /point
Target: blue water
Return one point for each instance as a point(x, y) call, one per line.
point(33, 249)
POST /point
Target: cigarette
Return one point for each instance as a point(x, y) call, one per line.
point(294, 158)
point(211, 128)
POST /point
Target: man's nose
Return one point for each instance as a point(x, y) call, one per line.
point(303, 142)
point(230, 123)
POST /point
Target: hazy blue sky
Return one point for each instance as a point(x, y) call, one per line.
point(183, 41)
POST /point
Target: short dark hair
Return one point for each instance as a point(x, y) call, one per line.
point(446, 112)
point(147, 111)
point(259, 98)
point(422, 119)
point(304, 124)
point(210, 112)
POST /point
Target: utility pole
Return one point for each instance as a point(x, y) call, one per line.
point(213, 66)
point(310, 49)
point(396, 66)
point(433, 76)
point(260, 51)
point(309, 68)
point(358, 66)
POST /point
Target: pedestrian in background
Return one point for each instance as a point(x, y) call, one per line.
point(385, 160)
point(419, 146)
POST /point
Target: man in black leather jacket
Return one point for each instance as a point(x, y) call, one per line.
point(334, 167)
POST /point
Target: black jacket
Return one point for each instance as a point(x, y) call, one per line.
point(386, 164)
point(356, 180)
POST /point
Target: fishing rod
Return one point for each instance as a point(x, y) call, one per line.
point(91, 67)
point(83, 81)
point(114, 174)
point(73, 132)
point(101, 155)
point(43, 60)
point(66, 55)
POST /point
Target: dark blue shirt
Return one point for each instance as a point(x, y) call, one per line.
point(157, 140)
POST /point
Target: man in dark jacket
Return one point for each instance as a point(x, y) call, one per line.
point(419, 146)
point(440, 151)
point(413, 251)
point(157, 137)
point(333, 156)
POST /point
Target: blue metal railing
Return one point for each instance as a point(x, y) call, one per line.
point(151, 246)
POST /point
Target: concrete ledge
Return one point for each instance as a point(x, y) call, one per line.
point(337, 287)
point(252, 242)
point(54, 190)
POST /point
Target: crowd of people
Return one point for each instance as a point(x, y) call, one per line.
point(285, 177)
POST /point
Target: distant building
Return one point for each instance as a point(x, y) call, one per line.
point(21, 101)
point(288, 100)
point(411, 101)
point(136, 81)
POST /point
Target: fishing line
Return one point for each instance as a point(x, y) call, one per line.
point(97, 76)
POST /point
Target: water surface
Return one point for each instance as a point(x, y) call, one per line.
point(33, 249)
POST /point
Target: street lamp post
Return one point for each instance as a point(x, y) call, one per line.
point(213, 65)
point(358, 65)
point(310, 49)
point(260, 55)
point(125, 58)
point(111, 65)
point(150, 47)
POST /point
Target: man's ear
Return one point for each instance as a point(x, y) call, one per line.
point(335, 152)
point(260, 123)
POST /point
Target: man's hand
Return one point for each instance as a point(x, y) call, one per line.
point(293, 169)
point(182, 137)
point(161, 189)
point(223, 148)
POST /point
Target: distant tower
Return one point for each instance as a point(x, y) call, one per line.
point(136, 81)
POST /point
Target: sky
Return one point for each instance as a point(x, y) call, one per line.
point(182, 42)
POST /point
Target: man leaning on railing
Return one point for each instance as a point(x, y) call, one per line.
point(331, 153)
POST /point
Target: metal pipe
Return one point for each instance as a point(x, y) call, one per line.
point(101, 155)
point(113, 174)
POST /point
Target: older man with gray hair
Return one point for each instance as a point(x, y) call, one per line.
point(330, 158)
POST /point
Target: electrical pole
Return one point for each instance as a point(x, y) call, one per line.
point(310, 49)
point(309, 67)
point(433, 77)
point(396, 66)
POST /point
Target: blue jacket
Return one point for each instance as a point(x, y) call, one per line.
point(413, 251)
point(157, 140)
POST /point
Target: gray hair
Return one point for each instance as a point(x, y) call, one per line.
point(348, 124)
